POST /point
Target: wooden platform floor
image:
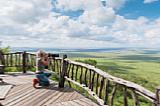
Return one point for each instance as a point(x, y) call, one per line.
point(23, 94)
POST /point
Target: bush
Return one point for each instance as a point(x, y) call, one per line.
point(6, 49)
point(88, 61)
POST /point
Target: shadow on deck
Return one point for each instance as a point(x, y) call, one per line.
point(23, 94)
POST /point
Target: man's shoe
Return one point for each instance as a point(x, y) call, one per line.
point(35, 82)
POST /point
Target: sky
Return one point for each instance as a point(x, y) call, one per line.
point(80, 23)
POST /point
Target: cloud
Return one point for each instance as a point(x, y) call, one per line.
point(42, 24)
point(149, 1)
point(23, 12)
point(72, 5)
point(153, 31)
point(16, 16)
point(102, 16)
point(116, 4)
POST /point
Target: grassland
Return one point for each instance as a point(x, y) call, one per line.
point(140, 67)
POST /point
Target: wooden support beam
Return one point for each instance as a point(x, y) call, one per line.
point(106, 93)
point(24, 57)
point(63, 72)
point(125, 96)
point(2, 62)
point(113, 94)
point(158, 96)
point(135, 98)
point(101, 87)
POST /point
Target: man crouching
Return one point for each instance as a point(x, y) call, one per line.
point(42, 74)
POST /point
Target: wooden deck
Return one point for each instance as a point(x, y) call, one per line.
point(23, 94)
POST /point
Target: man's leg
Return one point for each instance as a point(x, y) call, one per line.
point(47, 74)
point(43, 80)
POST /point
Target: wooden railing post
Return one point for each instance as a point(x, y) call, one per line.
point(3, 62)
point(63, 72)
point(158, 96)
point(24, 57)
point(1, 69)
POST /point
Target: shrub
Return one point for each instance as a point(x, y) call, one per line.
point(88, 61)
point(6, 49)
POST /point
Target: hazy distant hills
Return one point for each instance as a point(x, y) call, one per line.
point(59, 50)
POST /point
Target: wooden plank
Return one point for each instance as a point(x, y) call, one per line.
point(65, 97)
point(100, 101)
point(49, 97)
point(49, 102)
point(67, 104)
point(59, 104)
point(81, 103)
point(26, 95)
point(18, 90)
point(18, 101)
point(4, 90)
point(61, 97)
point(75, 95)
point(34, 98)
point(71, 103)
point(17, 97)
point(89, 102)
point(69, 95)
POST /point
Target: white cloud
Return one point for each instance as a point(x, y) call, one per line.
point(140, 31)
point(24, 11)
point(152, 31)
point(115, 3)
point(102, 15)
point(149, 1)
point(75, 5)
point(17, 15)
point(99, 16)
point(32, 23)
point(49, 25)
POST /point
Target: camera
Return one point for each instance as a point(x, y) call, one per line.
point(53, 55)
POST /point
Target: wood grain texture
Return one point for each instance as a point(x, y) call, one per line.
point(23, 94)
point(4, 90)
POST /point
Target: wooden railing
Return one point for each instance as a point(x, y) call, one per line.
point(26, 61)
point(102, 86)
